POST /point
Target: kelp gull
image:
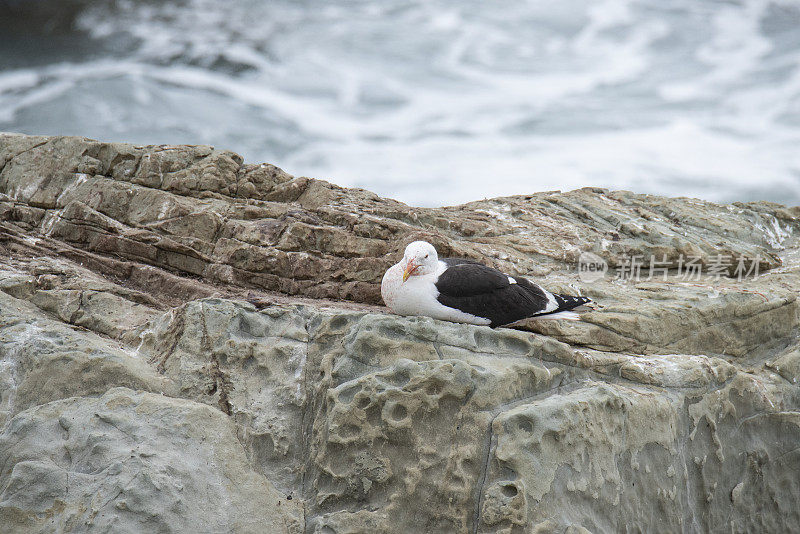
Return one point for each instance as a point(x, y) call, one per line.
point(465, 291)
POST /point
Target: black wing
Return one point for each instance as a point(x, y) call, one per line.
point(486, 292)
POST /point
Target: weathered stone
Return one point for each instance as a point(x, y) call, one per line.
point(148, 382)
point(133, 462)
point(187, 209)
point(43, 360)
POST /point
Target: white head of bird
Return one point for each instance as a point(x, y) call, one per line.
point(420, 258)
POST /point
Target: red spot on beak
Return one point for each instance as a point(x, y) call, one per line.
point(409, 270)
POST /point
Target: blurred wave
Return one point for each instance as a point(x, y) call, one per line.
point(430, 102)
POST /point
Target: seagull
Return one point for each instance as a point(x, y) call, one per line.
point(466, 291)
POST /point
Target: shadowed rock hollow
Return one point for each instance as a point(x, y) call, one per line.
point(188, 343)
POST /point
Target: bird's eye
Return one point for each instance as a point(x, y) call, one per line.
point(426, 255)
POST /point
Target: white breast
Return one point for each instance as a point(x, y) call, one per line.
point(417, 296)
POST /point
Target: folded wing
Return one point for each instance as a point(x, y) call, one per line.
point(486, 292)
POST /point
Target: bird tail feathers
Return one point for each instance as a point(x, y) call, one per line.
point(568, 302)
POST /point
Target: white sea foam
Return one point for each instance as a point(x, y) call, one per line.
point(433, 102)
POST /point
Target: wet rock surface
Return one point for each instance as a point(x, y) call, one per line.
point(189, 343)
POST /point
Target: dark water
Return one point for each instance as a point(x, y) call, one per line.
point(430, 102)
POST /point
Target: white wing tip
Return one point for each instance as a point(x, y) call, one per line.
point(565, 315)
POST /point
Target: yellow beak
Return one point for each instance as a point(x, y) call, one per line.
point(410, 268)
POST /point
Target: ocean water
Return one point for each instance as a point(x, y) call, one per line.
point(430, 102)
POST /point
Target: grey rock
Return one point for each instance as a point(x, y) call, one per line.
point(43, 359)
point(133, 462)
point(150, 381)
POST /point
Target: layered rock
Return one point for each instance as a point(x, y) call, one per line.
point(197, 211)
point(150, 380)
